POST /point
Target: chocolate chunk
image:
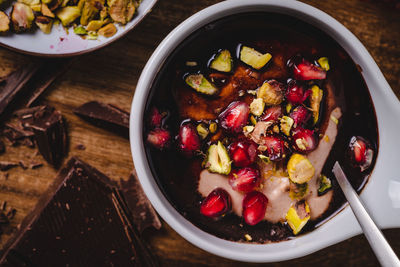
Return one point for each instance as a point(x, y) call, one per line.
point(80, 221)
point(6, 165)
point(16, 134)
point(14, 83)
point(2, 147)
point(49, 128)
point(106, 116)
point(142, 211)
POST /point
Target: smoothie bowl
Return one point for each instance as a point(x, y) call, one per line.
point(238, 118)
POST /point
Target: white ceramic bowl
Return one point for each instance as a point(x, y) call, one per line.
point(381, 194)
point(59, 43)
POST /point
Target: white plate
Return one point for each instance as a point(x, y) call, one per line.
point(59, 43)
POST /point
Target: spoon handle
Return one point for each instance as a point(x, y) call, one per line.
point(380, 246)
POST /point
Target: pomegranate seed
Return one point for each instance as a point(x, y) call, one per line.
point(274, 147)
point(159, 138)
point(361, 152)
point(216, 204)
point(254, 207)
point(305, 71)
point(189, 140)
point(243, 152)
point(235, 116)
point(155, 118)
point(296, 94)
point(304, 140)
point(272, 113)
point(300, 116)
point(244, 180)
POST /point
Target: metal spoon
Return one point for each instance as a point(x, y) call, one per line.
point(380, 246)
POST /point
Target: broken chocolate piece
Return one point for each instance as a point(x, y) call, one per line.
point(143, 212)
point(80, 221)
point(106, 116)
point(6, 165)
point(16, 134)
point(49, 128)
point(14, 83)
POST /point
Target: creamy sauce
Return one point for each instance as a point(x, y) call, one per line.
point(276, 186)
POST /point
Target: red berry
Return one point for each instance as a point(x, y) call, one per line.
point(216, 204)
point(243, 152)
point(159, 138)
point(155, 118)
point(296, 94)
point(254, 207)
point(189, 140)
point(305, 71)
point(245, 180)
point(361, 152)
point(235, 116)
point(300, 116)
point(272, 113)
point(274, 147)
point(304, 140)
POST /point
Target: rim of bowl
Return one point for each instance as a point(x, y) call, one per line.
point(285, 250)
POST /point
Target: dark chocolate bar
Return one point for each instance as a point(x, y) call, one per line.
point(106, 116)
point(80, 221)
point(143, 214)
point(49, 128)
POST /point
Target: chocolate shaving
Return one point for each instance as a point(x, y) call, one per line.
point(49, 128)
point(143, 212)
point(105, 116)
point(6, 165)
point(16, 134)
point(81, 220)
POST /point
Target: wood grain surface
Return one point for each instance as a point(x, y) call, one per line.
point(110, 75)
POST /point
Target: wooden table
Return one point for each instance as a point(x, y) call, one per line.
point(110, 75)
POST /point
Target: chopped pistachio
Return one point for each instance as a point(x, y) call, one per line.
point(298, 216)
point(213, 127)
point(108, 30)
point(94, 25)
point(248, 129)
point(324, 63)
point(80, 30)
point(47, 12)
point(36, 8)
point(121, 11)
point(89, 11)
point(222, 61)
point(92, 36)
point(264, 158)
point(218, 159)
point(248, 237)
point(301, 143)
point(22, 17)
point(334, 119)
point(44, 23)
point(68, 14)
point(254, 58)
point(4, 23)
point(253, 120)
point(288, 108)
point(272, 95)
point(326, 138)
point(30, 2)
point(202, 130)
point(300, 169)
point(315, 102)
point(199, 83)
point(257, 106)
point(286, 125)
point(324, 184)
point(298, 191)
